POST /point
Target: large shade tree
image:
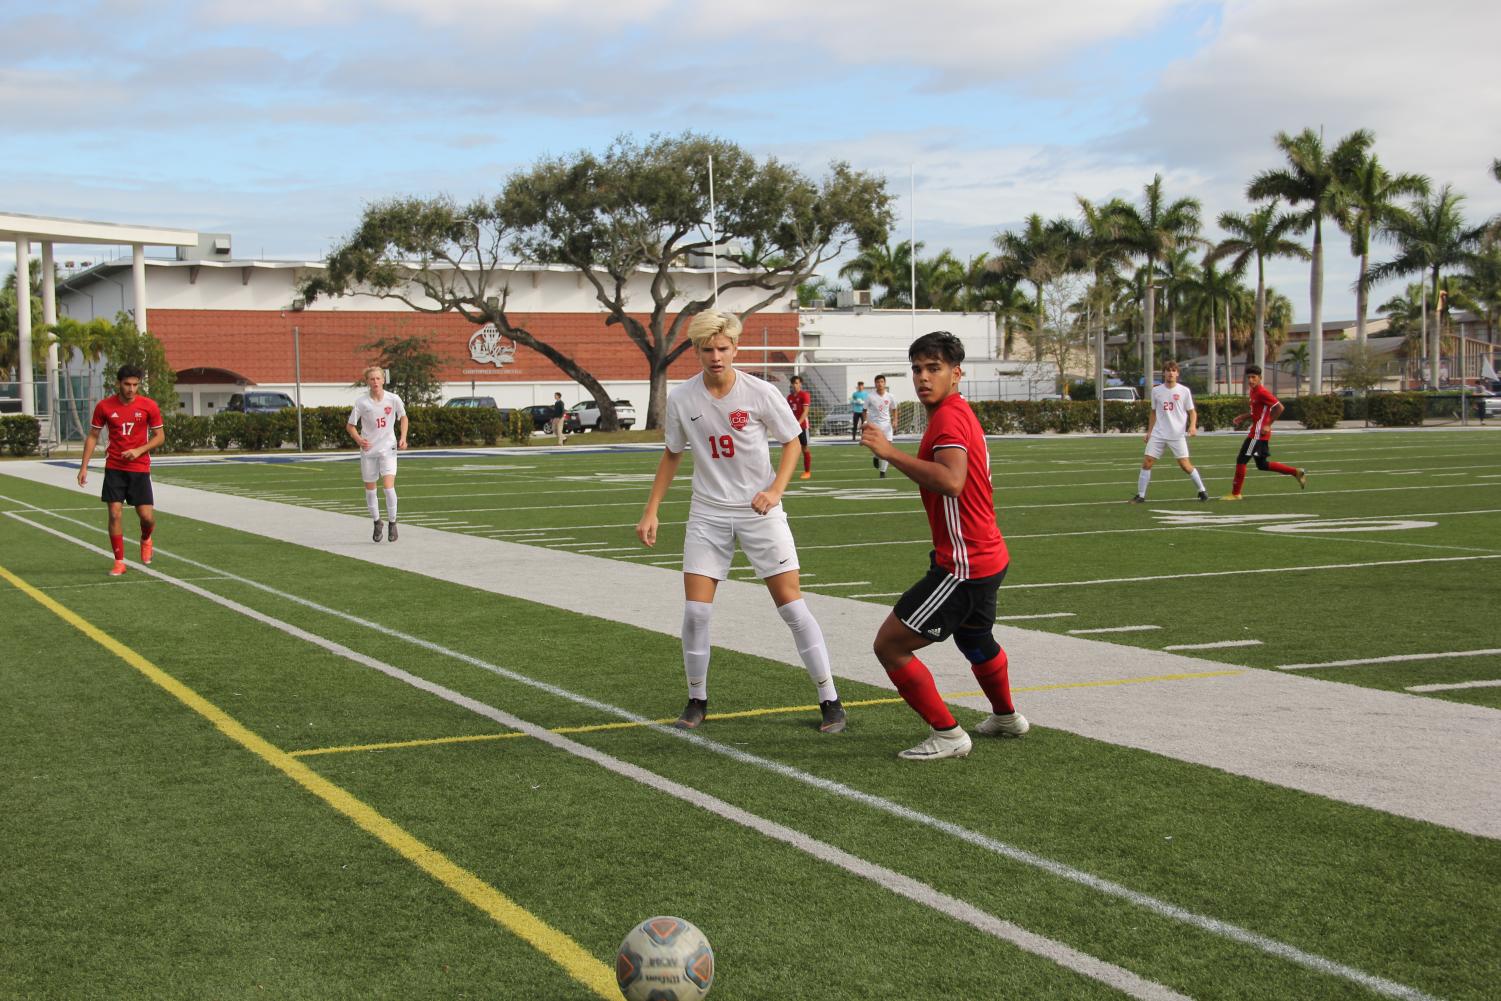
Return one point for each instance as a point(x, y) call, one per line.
point(1313, 182)
point(1261, 234)
point(1150, 231)
point(627, 220)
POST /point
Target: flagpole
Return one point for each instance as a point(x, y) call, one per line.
point(912, 242)
point(713, 234)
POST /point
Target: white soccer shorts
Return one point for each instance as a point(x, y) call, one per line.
point(1155, 445)
point(766, 540)
point(885, 429)
point(374, 465)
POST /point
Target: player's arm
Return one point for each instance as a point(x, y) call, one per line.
point(401, 442)
point(1193, 421)
point(1240, 419)
point(158, 437)
point(1276, 410)
point(354, 432)
point(944, 475)
point(667, 468)
point(89, 444)
point(1151, 423)
point(769, 498)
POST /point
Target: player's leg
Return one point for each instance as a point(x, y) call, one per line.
point(881, 464)
point(802, 436)
point(388, 487)
point(116, 528)
point(370, 476)
point(1241, 458)
point(1265, 464)
point(1148, 460)
point(1180, 452)
point(925, 614)
point(708, 547)
point(146, 515)
point(975, 638)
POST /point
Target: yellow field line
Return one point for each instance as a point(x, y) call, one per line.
point(744, 713)
point(557, 946)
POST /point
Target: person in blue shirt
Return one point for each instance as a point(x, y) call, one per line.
point(857, 411)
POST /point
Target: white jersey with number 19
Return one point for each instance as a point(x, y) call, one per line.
point(730, 437)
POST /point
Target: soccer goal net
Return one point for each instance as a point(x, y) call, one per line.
point(831, 384)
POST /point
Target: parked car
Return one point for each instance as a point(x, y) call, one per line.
point(838, 420)
point(1487, 404)
point(587, 412)
point(477, 402)
point(541, 415)
point(259, 403)
point(1121, 394)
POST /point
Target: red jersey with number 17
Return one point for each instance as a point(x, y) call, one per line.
point(130, 426)
point(966, 540)
point(800, 401)
point(1262, 402)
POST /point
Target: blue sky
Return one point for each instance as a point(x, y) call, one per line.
point(278, 120)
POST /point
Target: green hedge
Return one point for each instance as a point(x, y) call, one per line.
point(1397, 410)
point(20, 434)
point(325, 428)
point(1066, 416)
point(186, 433)
point(1217, 412)
point(1317, 413)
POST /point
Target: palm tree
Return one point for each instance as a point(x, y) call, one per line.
point(87, 342)
point(1430, 237)
point(1177, 265)
point(1035, 255)
point(1312, 178)
point(882, 266)
point(1206, 293)
point(1297, 356)
point(1151, 232)
point(1099, 251)
point(1012, 309)
point(940, 282)
point(1369, 209)
point(1262, 234)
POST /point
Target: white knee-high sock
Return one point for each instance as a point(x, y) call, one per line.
point(1198, 482)
point(390, 503)
point(372, 505)
point(1142, 481)
point(810, 646)
point(884, 466)
point(696, 615)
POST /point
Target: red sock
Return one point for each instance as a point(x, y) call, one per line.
point(915, 684)
point(147, 529)
point(807, 461)
point(1285, 470)
point(995, 681)
point(1240, 478)
point(117, 543)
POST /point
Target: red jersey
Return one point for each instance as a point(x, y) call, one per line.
point(130, 425)
point(966, 540)
point(800, 401)
point(1262, 402)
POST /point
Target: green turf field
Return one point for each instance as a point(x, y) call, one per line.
point(449, 794)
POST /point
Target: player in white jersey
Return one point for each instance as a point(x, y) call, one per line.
point(373, 424)
point(878, 407)
point(1172, 422)
point(727, 417)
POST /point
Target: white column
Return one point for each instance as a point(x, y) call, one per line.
point(49, 317)
point(23, 325)
point(138, 276)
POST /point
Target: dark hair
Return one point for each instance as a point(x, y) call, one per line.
point(939, 344)
point(795, 378)
point(129, 372)
point(1169, 364)
point(1253, 370)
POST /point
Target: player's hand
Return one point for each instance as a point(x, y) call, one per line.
point(364, 443)
point(83, 475)
point(1193, 432)
point(402, 443)
point(129, 454)
point(872, 438)
point(765, 501)
point(1237, 419)
point(646, 530)
point(1147, 436)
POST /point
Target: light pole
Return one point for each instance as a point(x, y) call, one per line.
point(298, 305)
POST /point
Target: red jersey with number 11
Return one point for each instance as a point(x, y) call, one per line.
point(966, 540)
point(130, 426)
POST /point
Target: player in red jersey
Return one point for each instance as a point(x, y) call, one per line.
point(1258, 444)
point(135, 428)
point(800, 400)
point(969, 559)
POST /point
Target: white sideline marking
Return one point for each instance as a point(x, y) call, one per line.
point(1236, 573)
point(841, 583)
point(1221, 645)
point(1394, 659)
point(877, 594)
point(1113, 629)
point(1214, 926)
point(919, 892)
point(1039, 615)
point(1492, 683)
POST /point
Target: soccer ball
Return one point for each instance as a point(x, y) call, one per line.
point(664, 959)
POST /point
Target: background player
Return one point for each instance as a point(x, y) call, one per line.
point(1174, 420)
point(372, 424)
point(969, 559)
point(799, 399)
point(878, 406)
point(1258, 444)
point(726, 417)
point(127, 462)
point(857, 410)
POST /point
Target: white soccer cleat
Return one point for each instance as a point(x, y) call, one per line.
point(953, 743)
point(1009, 725)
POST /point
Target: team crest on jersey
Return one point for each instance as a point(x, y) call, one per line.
point(739, 419)
point(388, 410)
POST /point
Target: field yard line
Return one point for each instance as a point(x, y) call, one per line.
point(1220, 645)
point(1113, 629)
point(1317, 736)
point(1039, 615)
point(1343, 536)
point(1491, 683)
point(1238, 573)
point(1057, 952)
point(552, 943)
point(1393, 659)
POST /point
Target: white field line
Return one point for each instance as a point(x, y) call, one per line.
point(1214, 926)
point(1393, 659)
point(878, 594)
point(1221, 645)
point(116, 582)
point(842, 583)
point(1113, 629)
point(1039, 615)
point(960, 910)
point(1492, 683)
point(1237, 573)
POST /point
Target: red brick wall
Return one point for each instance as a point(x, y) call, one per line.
point(258, 344)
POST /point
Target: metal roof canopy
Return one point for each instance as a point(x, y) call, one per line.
point(16, 226)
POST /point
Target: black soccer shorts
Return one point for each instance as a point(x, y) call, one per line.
point(1254, 449)
point(940, 603)
point(131, 488)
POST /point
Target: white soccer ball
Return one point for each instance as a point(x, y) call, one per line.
point(664, 959)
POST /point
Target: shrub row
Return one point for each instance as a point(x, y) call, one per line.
point(20, 434)
point(324, 427)
point(1396, 410)
point(1071, 416)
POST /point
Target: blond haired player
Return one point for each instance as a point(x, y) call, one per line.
point(1173, 421)
point(373, 424)
point(729, 419)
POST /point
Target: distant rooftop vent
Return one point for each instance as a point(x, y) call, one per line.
point(211, 247)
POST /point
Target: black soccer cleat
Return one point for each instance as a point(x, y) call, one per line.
point(833, 717)
point(693, 714)
point(375, 535)
point(391, 531)
point(1137, 499)
point(1203, 495)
